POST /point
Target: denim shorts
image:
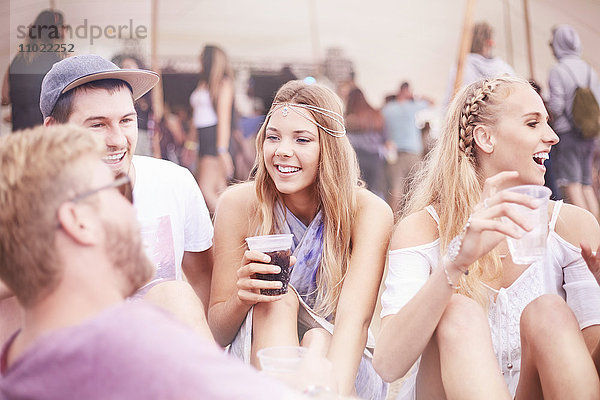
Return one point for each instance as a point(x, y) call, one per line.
point(572, 160)
point(207, 141)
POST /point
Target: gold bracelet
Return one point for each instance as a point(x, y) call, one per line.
point(191, 145)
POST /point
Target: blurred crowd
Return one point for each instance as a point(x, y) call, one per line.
point(202, 126)
point(303, 147)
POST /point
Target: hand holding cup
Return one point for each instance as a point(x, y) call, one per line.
point(495, 218)
point(531, 246)
point(265, 270)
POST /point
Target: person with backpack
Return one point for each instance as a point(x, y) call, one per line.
point(573, 103)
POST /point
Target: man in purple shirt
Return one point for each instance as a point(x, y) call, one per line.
point(70, 251)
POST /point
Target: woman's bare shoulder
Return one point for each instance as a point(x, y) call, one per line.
point(368, 202)
point(576, 225)
point(373, 214)
point(239, 198)
point(413, 230)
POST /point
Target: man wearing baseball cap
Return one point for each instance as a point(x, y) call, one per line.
point(94, 93)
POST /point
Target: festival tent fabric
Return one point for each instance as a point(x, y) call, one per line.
point(387, 41)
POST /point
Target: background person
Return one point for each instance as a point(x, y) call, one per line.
point(572, 157)
point(23, 80)
point(365, 132)
point(480, 62)
point(212, 103)
point(404, 141)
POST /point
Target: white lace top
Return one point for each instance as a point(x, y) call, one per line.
point(562, 272)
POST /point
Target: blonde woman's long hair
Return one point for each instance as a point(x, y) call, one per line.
point(449, 178)
point(215, 69)
point(337, 181)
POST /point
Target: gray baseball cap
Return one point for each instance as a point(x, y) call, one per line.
point(75, 71)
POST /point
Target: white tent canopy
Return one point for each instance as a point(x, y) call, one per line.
point(387, 40)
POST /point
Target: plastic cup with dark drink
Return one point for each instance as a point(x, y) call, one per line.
point(278, 247)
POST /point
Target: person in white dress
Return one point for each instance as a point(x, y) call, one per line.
point(503, 330)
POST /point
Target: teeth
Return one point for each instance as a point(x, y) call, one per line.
point(114, 157)
point(287, 169)
point(542, 155)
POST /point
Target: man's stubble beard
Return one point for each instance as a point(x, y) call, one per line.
point(125, 251)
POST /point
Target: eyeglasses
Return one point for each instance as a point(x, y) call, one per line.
point(121, 182)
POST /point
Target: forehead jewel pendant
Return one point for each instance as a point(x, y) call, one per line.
point(285, 110)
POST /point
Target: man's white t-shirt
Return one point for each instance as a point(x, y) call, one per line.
point(172, 214)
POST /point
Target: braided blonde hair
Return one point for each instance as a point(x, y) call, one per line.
point(471, 115)
point(450, 176)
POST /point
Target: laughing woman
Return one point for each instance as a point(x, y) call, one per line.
point(306, 182)
point(504, 329)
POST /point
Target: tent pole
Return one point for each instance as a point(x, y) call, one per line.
point(508, 33)
point(157, 91)
point(314, 33)
point(528, 33)
point(465, 43)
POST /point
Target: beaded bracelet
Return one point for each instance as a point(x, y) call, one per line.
point(453, 249)
point(450, 283)
point(456, 244)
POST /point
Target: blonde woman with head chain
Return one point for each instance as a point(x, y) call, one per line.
point(306, 182)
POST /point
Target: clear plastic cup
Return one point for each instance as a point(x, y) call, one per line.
point(282, 362)
point(532, 245)
point(281, 358)
point(278, 247)
point(299, 367)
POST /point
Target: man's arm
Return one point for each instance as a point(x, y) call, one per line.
point(197, 267)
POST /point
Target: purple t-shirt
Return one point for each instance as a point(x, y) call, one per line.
point(130, 351)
